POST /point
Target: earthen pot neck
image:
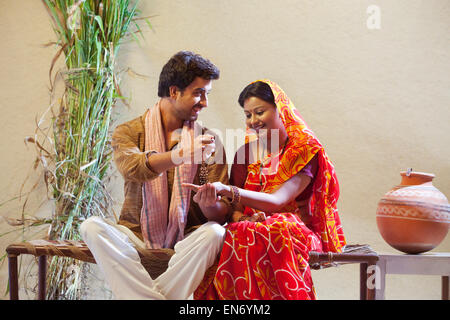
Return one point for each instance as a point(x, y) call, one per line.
point(416, 178)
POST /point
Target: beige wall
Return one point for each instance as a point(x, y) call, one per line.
point(377, 99)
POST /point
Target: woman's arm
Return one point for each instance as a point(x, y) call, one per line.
point(272, 202)
point(266, 202)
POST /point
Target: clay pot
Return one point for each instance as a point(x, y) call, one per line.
point(414, 216)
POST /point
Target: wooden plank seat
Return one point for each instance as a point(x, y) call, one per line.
point(356, 253)
point(155, 261)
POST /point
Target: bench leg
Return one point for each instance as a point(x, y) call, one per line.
point(13, 277)
point(367, 282)
point(363, 281)
point(371, 290)
point(42, 277)
point(445, 285)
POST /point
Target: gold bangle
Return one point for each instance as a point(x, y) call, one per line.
point(242, 218)
point(232, 195)
point(236, 196)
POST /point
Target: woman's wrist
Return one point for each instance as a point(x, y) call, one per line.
point(236, 216)
point(235, 195)
point(239, 216)
point(227, 191)
point(243, 217)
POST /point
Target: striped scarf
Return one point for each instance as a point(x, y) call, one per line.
point(163, 223)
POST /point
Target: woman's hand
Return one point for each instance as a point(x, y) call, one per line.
point(256, 217)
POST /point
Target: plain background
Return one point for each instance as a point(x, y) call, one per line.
point(378, 99)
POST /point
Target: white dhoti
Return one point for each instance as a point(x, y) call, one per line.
point(113, 247)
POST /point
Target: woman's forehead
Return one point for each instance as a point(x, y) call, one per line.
point(253, 103)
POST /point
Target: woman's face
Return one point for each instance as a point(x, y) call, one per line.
point(262, 116)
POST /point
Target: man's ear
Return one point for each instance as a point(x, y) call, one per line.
point(173, 91)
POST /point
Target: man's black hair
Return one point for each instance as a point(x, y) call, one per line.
point(182, 69)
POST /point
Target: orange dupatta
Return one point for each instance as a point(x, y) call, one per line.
point(323, 202)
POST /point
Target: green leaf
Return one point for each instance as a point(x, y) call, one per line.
point(100, 24)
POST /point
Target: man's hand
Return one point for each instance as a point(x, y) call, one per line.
point(200, 149)
point(208, 198)
point(209, 191)
point(206, 195)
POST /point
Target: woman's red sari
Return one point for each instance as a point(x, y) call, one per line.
point(269, 260)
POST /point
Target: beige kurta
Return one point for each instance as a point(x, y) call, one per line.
point(130, 158)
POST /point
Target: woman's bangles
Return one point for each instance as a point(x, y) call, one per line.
point(235, 195)
point(243, 218)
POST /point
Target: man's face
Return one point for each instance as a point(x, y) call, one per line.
point(190, 101)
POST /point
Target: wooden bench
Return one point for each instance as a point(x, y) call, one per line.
point(155, 261)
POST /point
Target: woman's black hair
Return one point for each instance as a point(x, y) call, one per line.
point(257, 89)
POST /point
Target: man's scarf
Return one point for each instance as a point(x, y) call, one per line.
point(162, 222)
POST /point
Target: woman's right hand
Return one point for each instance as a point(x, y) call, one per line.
point(257, 217)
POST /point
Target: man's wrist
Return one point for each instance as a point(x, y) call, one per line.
point(217, 212)
point(147, 162)
point(176, 155)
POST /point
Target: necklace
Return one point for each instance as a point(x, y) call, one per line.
point(203, 175)
point(261, 165)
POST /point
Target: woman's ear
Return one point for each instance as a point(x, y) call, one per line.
point(278, 112)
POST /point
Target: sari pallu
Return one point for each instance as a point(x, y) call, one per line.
point(269, 259)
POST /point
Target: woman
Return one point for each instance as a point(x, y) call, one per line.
point(284, 194)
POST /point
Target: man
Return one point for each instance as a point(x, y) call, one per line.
point(156, 153)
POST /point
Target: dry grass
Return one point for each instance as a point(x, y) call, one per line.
point(74, 152)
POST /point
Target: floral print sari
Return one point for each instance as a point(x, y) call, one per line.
point(269, 260)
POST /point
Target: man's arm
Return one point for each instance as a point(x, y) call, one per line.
point(130, 160)
point(161, 162)
point(139, 166)
point(212, 208)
